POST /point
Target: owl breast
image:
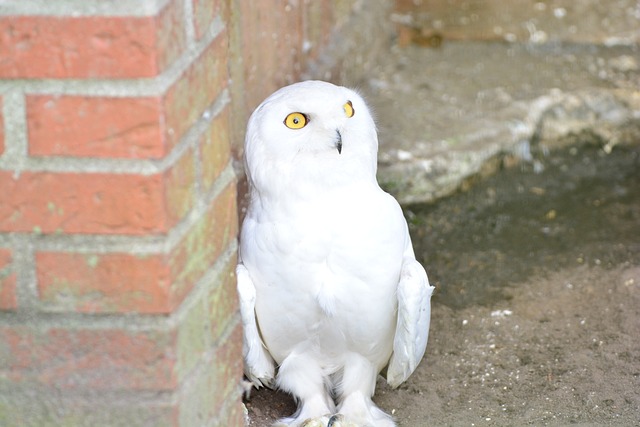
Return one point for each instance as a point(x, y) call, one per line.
point(327, 269)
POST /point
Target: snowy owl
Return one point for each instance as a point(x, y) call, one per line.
point(330, 290)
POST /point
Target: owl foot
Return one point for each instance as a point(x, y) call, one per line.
point(339, 420)
point(361, 409)
point(316, 422)
point(335, 421)
point(309, 422)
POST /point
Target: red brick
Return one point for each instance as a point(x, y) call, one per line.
point(215, 149)
point(145, 127)
point(204, 13)
point(103, 282)
point(38, 410)
point(65, 47)
point(114, 359)
point(207, 396)
point(155, 284)
point(171, 37)
point(320, 22)
point(204, 243)
point(90, 46)
point(180, 187)
point(235, 416)
point(196, 89)
point(228, 363)
point(271, 47)
point(223, 302)
point(100, 203)
point(95, 126)
point(82, 203)
point(1, 129)
point(8, 299)
point(97, 359)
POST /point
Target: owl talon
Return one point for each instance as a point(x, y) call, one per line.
point(335, 420)
point(315, 422)
point(339, 420)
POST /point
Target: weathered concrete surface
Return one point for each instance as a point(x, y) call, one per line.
point(444, 113)
point(608, 22)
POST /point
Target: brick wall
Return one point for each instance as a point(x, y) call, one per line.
point(274, 43)
point(118, 220)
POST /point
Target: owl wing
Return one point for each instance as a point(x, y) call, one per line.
point(259, 366)
point(414, 315)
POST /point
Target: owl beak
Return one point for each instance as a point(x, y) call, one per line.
point(339, 142)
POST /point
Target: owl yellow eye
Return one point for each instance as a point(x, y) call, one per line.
point(348, 109)
point(296, 121)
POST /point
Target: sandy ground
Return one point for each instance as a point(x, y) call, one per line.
point(564, 350)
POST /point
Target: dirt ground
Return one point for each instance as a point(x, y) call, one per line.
point(536, 317)
point(564, 350)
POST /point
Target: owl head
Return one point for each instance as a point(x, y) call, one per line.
point(311, 130)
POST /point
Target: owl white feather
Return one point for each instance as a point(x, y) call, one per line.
point(330, 290)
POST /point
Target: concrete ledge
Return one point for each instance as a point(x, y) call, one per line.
point(444, 114)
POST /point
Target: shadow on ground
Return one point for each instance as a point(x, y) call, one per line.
point(575, 206)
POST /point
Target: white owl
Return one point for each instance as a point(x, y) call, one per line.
point(330, 290)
